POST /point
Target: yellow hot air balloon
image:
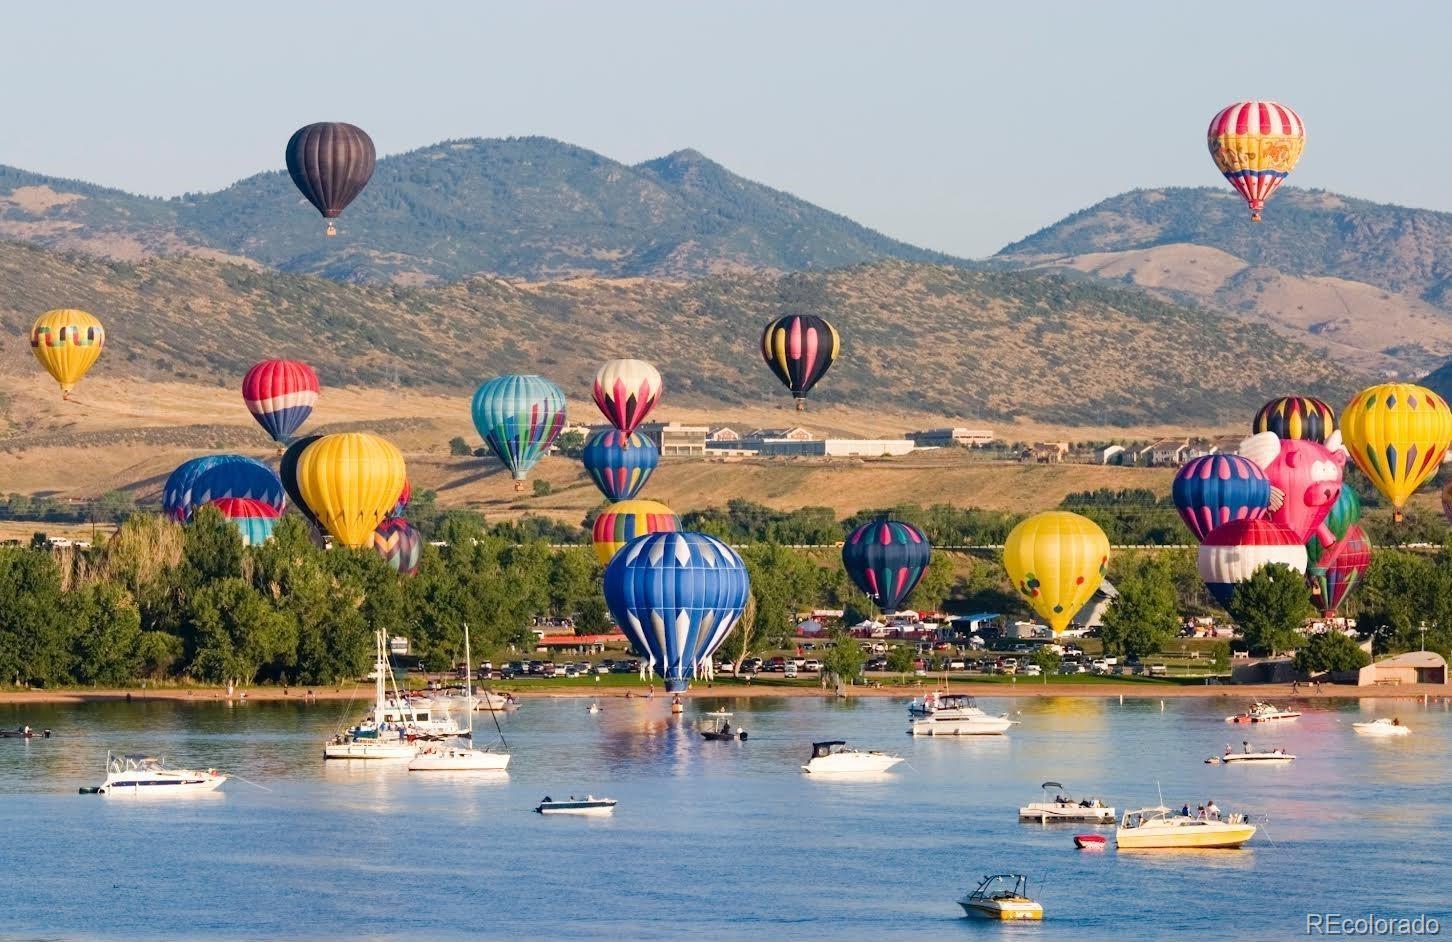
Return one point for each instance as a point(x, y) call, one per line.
point(622, 522)
point(67, 343)
point(1398, 434)
point(351, 481)
point(1056, 560)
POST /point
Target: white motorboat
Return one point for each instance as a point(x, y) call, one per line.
point(924, 705)
point(1161, 828)
point(1262, 713)
point(1271, 756)
point(421, 716)
point(959, 715)
point(1382, 727)
point(488, 700)
point(835, 757)
point(460, 754)
point(1002, 896)
point(374, 739)
point(147, 776)
point(1062, 807)
point(593, 708)
point(589, 805)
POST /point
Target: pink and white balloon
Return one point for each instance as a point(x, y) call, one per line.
point(626, 390)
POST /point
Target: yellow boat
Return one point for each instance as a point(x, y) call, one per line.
point(1160, 828)
point(1002, 896)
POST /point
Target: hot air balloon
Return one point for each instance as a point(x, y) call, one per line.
point(67, 343)
point(400, 544)
point(886, 559)
point(1056, 560)
point(1256, 145)
point(620, 523)
point(619, 463)
point(280, 395)
point(404, 496)
point(351, 481)
point(287, 474)
point(252, 518)
point(519, 417)
point(800, 348)
point(1305, 480)
point(676, 596)
point(1397, 433)
point(1296, 417)
point(205, 479)
point(626, 391)
point(1332, 582)
point(1216, 489)
point(1345, 512)
point(331, 162)
point(1234, 552)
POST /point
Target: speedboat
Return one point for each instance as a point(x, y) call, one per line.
point(593, 708)
point(460, 754)
point(1159, 827)
point(1246, 754)
point(24, 732)
point(1064, 808)
point(1002, 896)
point(1382, 727)
point(1262, 713)
point(143, 775)
point(488, 700)
point(720, 728)
point(836, 757)
point(924, 705)
point(959, 715)
point(589, 805)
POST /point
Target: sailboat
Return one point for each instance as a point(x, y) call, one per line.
point(376, 739)
point(459, 755)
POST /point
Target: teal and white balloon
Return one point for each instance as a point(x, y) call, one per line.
point(519, 417)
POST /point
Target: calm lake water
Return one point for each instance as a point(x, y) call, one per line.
point(730, 840)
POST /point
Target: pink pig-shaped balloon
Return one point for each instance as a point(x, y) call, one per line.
point(1305, 480)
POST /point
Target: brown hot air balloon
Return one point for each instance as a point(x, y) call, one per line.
point(331, 162)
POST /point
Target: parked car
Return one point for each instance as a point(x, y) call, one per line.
point(876, 664)
point(726, 667)
point(812, 665)
point(789, 671)
point(957, 665)
point(1159, 670)
point(1032, 670)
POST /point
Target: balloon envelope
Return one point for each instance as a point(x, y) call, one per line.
point(205, 479)
point(404, 496)
point(620, 523)
point(1345, 512)
point(252, 518)
point(1308, 477)
point(351, 481)
point(1256, 144)
point(626, 391)
point(676, 596)
point(519, 417)
point(800, 349)
point(619, 463)
point(399, 543)
point(1303, 417)
point(330, 162)
point(886, 559)
point(287, 474)
point(1334, 578)
point(1216, 489)
point(280, 394)
point(1056, 560)
point(67, 343)
point(1397, 433)
point(1234, 552)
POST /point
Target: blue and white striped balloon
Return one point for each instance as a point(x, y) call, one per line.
point(677, 596)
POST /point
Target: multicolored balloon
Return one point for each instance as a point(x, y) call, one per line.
point(1397, 433)
point(1332, 582)
point(1345, 512)
point(280, 394)
point(1303, 417)
point(619, 463)
point(287, 474)
point(1256, 145)
point(677, 596)
point(1235, 552)
point(626, 391)
point(400, 544)
point(351, 481)
point(252, 518)
point(1056, 560)
point(1305, 480)
point(330, 162)
point(886, 559)
point(404, 496)
point(800, 349)
point(620, 523)
point(519, 418)
point(1217, 489)
point(67, 343)
point(205, 479)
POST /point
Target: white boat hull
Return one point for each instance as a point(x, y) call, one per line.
point(969, 726)
point(450, 759)
point(589, 811)
point(189, 783)
point(1381, 729)
point(1004, 910)
point(1191, 834)
point(370, 749)
point(1049, 812)
point(845, 763)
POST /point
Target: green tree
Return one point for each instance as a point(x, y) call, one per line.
point(540, 487)
point(592, 617)
point(844, 659)
point(33, 648)
point(574, 577)
point(157, 654)
point(105, 630)
point(737, 644)
point(1331, 651)
point(783, 582)
point(459, 448)
point(900, 659)
point(936, 584)
point(238, 635)
point(1220, 656)
point(1142, 618)
point(570, 444)
point(1047, 660)
point(1270, 607)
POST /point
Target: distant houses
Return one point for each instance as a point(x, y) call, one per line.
point(952, 437)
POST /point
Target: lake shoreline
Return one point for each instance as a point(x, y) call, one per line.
point(364, 692)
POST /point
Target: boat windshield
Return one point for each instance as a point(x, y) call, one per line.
point(823, 749)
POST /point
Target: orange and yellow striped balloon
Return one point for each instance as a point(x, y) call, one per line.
point(351, 481)
point(622, 522)
point(1397, 433)
point(67, 343)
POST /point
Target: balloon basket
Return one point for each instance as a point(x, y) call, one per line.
point(332, 230)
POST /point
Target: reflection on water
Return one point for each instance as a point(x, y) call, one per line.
point(730, 837)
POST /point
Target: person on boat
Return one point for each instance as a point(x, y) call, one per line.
point(1396, 721)
point(1227, 749)
point(547, 800)
point(1211, 812)
point(1245, 745)
point(1185, 811)
point(1200, 813)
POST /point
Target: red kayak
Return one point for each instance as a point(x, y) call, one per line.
point(1089, 841)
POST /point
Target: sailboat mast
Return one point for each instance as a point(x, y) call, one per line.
point(468, 686)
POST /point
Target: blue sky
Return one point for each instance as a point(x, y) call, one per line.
point(959, 126)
